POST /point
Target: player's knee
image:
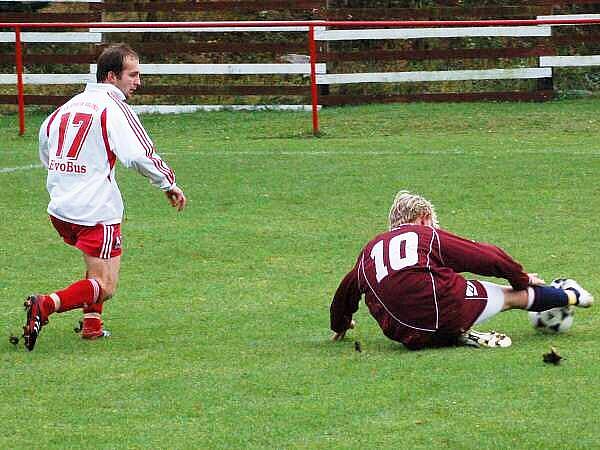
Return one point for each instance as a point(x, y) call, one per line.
point(108, 293)
point(105, 296)
point(107, 290)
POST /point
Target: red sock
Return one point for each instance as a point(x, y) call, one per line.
point(47, 305)
point(92, 318)
point(94, 308)
point(82, 293)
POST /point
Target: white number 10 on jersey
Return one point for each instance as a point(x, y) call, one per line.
point(402, 250)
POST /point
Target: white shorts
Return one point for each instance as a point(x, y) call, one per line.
point(495, 301)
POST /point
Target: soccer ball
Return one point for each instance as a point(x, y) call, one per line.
point(555, 320)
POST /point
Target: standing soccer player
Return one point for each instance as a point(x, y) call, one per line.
point(410, 276)
point(79, 145)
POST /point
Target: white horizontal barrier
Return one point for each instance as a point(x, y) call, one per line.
point(224, 69)
point(58, 78)
point(449, 75)
point(568, 17)
point(569, 61)
point(419, 33)
point(55, 37)
point(171, 69)
point(322, 78)
point(176, 109)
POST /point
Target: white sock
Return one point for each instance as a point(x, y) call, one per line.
point(530, 297)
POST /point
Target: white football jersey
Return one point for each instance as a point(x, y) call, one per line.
point(79, 145)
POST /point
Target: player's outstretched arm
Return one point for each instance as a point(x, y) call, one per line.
point(345, 304)
point(176, 197)
point(339, 336)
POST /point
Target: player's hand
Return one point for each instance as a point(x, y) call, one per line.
point(176, 198)
point(535, 280)
point(339, 336)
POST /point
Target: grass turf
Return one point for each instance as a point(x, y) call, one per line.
point(220, 321)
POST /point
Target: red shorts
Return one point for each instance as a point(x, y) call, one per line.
point(99, 241)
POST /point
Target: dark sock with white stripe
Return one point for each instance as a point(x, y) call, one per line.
point(548, 297)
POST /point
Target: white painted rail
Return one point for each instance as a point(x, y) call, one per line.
point(53, 37)
point(441, 75)
point(569, 61)
point(224, 69)
point(421, 33)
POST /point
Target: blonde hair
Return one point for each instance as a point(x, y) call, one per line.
point(408, 207)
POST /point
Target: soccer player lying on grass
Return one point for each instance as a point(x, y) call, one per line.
point(79, 145)
point(410, 276)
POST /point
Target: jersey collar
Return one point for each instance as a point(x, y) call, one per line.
point(105, 87)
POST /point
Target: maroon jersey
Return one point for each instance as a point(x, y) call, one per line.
point(411, 280)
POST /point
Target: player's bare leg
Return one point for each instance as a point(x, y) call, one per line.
point(541, 297)
point(500, 298)
point(515, 299)
point(538, 297)
point(106, 272)
point(39, 307)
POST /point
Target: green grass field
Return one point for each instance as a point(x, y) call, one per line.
point(220, 323)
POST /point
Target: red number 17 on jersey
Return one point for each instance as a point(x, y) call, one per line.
point(82, 122)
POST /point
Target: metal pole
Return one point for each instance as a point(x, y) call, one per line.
point(313, 79)
point(20, 95)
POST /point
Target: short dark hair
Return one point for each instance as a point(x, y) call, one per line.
point(111, 60)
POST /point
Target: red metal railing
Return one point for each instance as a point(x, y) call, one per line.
point(19, 68)
point(312, 48)
point(311, 39)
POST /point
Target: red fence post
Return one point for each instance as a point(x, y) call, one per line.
point(19, 66)
point(313, 79)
